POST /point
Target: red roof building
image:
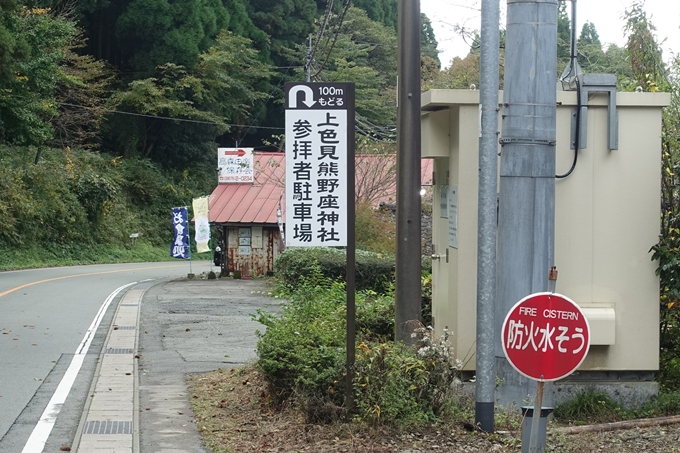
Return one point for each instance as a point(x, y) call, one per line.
point(247, 213)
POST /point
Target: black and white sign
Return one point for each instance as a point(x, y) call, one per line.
point(317, 144)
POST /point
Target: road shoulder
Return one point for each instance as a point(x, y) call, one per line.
point(191, 326)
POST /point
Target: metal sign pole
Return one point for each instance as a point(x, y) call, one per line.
point(351, 254)
point(536, 421)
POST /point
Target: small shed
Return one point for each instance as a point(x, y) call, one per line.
point(248, 216)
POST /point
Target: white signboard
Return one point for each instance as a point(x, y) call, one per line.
point(236, 165)
point(317, 145)
point(453, 216)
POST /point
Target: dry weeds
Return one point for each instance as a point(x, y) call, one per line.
point(233, 414)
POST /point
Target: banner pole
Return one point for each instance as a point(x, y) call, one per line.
point(189, 238)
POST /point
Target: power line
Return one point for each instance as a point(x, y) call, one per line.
point(183, 120)
point(335, 38)
point(322, 29)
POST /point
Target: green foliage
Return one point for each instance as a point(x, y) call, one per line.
point(389, 379)
point(157, 32)
point(302, 350)
point(235, 82)
point(81, 97)
point(563, 34)
point(374, 271)
point(364, 53)
point(76, 199)
point(643, 49)
point(396, 385)
point(302, 355)
point(27, 100)
point(593, 407)
point(652, 74)
point(375, 230)
point(426, 301)
point(589, 406)
point(428, 42)
point(227, 83)
point(382, 11)
point(13, 48)
point(51, 255)
point(96, 193)
point(287, 22)
point(665, 404)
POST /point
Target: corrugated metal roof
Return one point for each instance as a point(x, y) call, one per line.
point(256, 203)
point(252, 203)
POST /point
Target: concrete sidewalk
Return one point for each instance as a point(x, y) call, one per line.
point(160, 333)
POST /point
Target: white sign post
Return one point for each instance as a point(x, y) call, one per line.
point(320, 183)
point(317, 144)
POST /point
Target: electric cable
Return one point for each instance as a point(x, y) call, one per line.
point(577, 130)
point(574, 70)
point(335, 38)
point(322, 30)
point(182, 120)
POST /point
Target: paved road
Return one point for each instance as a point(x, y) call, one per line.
point(45, 317)
point(189, 327)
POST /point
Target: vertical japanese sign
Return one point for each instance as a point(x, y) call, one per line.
point(317, 146)
point(235, 165)
point(180, 226)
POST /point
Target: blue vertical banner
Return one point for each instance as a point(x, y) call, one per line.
point(180, 226)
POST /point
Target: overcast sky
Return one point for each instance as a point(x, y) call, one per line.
point(605, 14)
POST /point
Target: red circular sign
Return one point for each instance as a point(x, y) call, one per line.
point(545, 336)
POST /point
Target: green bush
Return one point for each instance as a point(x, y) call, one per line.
point(375, 315)
point(302, 351)
point(373, 271)
point(389, 379)
point(302, 355)
point(399, 385)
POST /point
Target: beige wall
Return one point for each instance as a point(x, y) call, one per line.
point(607, 218)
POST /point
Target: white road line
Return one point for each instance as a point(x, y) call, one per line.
point(36, 442)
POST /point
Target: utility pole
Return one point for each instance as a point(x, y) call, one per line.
point(487, 219)
point(526, 223)
point(408, 272)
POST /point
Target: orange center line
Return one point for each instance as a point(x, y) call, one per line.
point(26, 285)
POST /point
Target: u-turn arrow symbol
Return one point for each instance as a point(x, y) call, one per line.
point(309, 96)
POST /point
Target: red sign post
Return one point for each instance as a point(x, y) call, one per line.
point(545, 336)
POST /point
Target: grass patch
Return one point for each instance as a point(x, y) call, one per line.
point(592, 407)
point(54, 255)
point(589, 407)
